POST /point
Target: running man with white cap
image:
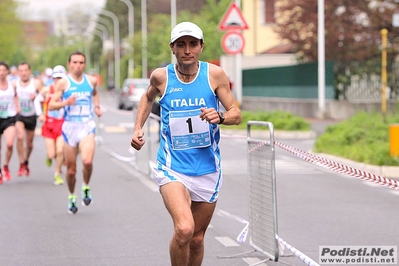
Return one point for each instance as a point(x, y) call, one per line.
point(52, 125)
point(188, 169)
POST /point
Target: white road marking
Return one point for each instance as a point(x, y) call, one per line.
point(255, 261)
point(127, 125)
point(147, 182)
point(227, 241)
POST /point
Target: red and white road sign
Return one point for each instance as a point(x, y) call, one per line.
point(233, 42)
point(233, 19)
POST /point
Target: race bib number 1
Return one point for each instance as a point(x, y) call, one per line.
point(188, 130)
point(79, 110)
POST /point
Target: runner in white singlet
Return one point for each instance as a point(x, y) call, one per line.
point(8, 111)
point(27, 89)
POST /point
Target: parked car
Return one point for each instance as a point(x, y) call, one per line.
point(131, 92)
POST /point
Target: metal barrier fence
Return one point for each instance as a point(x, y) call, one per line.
point(146, 157)
point(262, 192)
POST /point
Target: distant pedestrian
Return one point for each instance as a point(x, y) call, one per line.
point(48, 77)
point(78, 95)
point(8, 111)
point(27, 89)
point(52, 125)
point(13, 74)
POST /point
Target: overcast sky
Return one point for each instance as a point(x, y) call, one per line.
point(37, 9)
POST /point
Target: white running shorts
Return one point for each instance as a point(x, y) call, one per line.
point(204, 188)
point(74, 132)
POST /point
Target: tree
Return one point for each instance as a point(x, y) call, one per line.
point(10, 32)
point(159, 27)
point(352, 28)
point(352, 35)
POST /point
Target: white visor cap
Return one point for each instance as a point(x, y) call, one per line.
point(59, 72)
point(186, 29)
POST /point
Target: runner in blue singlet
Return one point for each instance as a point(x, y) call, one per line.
point(80, 100)
point(188, 169)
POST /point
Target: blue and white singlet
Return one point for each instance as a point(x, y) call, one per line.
point(188, 145)
point(82, 110)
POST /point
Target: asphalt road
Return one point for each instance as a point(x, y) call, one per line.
point(128, 224)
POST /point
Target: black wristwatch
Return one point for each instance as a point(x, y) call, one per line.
point(221, 118)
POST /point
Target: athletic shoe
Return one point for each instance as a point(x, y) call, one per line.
point(1, 179)
point(22, 169)
point(6, 175)
point(49, 162)
point(86, 196)
point(58, 179)
point(72, 208)
point(27, 170)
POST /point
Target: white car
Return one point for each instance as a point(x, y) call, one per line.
point(131, 92)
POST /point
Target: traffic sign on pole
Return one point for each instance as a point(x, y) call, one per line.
point(233, 19)
point(233, 42)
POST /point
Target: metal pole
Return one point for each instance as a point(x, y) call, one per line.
point(321, 60)
point(173, 22)
point(105, 22)
point(144, 34)
point(117, 46)
point(131, 35)
point(101, 34)
point(88, 56)
point(238, 71)
point(105, 35)
point(104, 31)
point(384, 34)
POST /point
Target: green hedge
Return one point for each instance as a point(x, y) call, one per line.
point(363, 138)
point(281, 120)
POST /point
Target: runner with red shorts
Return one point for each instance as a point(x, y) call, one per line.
point(52, 125)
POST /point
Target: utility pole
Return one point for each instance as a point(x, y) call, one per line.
point(131, 35)
point(144, 33)
point(117, 46)
point(321, 60)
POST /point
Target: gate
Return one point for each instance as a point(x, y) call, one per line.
point(262, 192)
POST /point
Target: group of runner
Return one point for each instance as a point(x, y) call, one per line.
point(65, 103)
point(17, 115)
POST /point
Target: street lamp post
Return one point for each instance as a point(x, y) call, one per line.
point(107, 24)
point(131, 34)
point(101, 31)
point(144, 33)
point(105, 36)
point(321, 59)
point(173, 22)
point(117, 50)
point(100, 28)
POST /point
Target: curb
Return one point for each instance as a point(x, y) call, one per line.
point(384, 170)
